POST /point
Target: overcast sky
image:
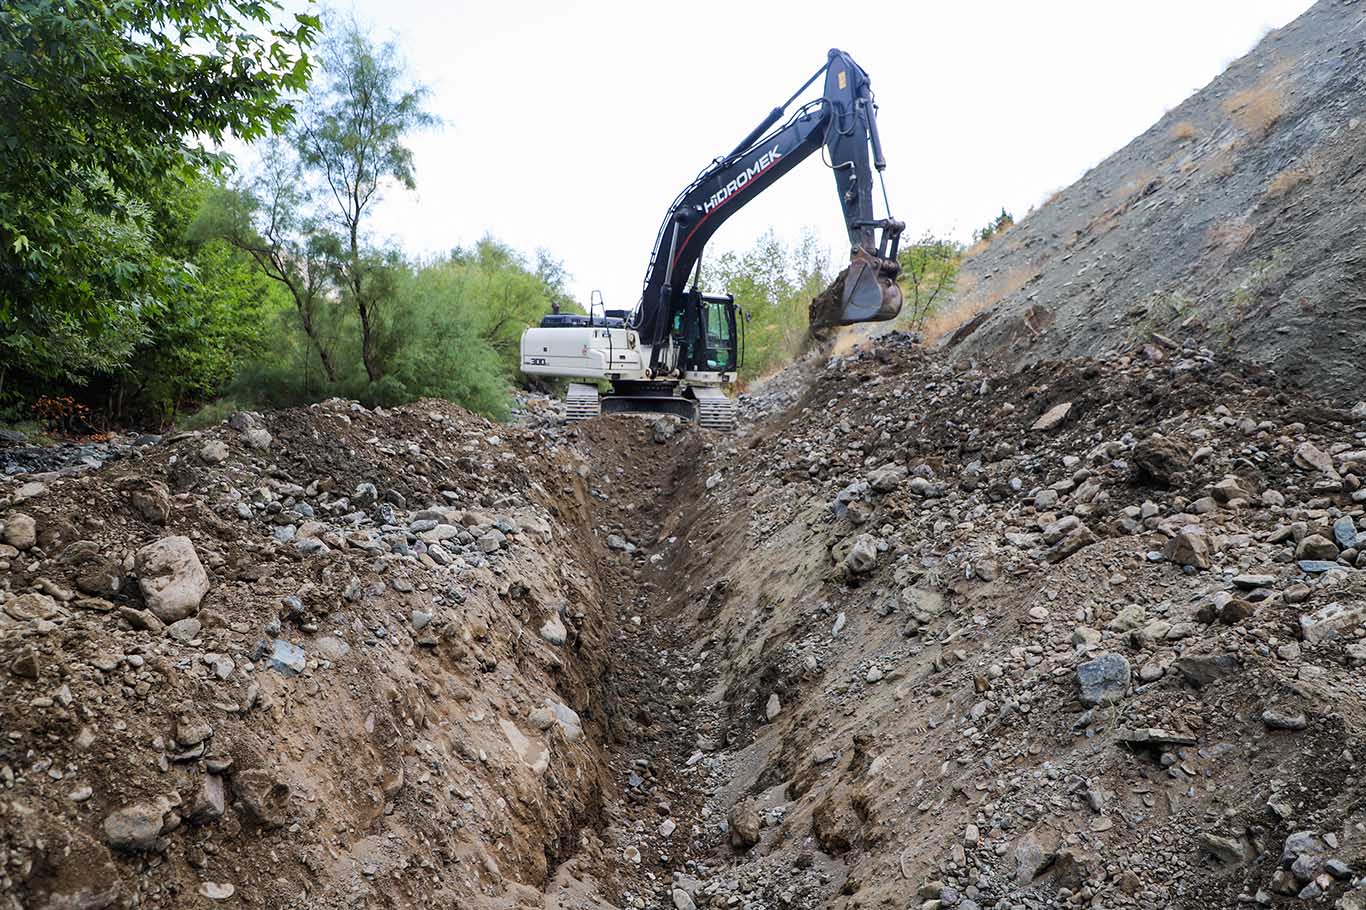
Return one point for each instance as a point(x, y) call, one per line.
point(572, 125)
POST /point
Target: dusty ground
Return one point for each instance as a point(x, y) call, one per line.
point(903, 642)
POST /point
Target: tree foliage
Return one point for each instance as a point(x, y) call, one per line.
point(774, 283)
point(449, 328)
point(351, 137)
point(998, 225)
point(929, 272)
point(268, 217)
point(103, 109)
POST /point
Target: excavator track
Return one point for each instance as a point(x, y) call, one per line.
point(582, 402)
point(714, 410)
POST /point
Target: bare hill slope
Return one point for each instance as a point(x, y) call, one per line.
point(1233, 223)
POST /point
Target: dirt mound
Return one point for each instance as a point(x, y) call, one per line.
point(1084, 632)
point(957, 645)
point(328, 657)
point(1227, 224)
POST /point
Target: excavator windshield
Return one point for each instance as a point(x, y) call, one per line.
point(706, 329)
point(720, 332)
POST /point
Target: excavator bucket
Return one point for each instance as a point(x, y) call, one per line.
point(871, 293)
point(866, 292)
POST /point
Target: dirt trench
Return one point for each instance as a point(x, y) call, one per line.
point(682, 679)
point(907, 724)
point(644, 477)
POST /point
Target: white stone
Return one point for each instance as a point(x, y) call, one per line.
point(172, 579)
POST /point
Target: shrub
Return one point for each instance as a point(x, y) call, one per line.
point(1255, 110)
point(774, 284)
point(929, 272)
point(1286, 181)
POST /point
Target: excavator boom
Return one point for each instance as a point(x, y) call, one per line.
point(844, 121)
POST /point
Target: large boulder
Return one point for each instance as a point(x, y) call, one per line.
point(149, 498)
point(743, 822)
point(1157, 461)
point(99, 576)
point(136, 827)
point(1189, 547)
point(862, 556)
point(20, 531)
point(1103, 680)
point(1317, 547)
point(172, 579)
point(887, 478)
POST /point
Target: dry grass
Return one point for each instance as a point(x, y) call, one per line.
point(941, 325)
point(1183, 131)
point(979, 246)
point(1254, 110)
point(1123, 196)
point(984, 242)
point(1285, 181)
point(972, 297)
point(1225, 161)
point(1003, 286)
point(1228, 235)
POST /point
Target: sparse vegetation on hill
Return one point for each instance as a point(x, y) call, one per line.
point(1262, 165)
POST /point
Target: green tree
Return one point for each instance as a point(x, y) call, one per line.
point(269, 218)
point(351, 134)
point(218, 320)
point(997, 225)
point(506, 295)
point(929, 271)
point(104, 107)
point(774, 284)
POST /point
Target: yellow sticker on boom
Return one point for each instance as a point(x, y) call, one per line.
point(842, 79)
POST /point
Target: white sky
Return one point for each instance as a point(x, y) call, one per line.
point(572, 125)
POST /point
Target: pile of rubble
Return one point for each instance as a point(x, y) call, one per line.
point(922, 635)
point(329, 657)
point(1081, 635)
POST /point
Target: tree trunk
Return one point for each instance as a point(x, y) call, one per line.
point(367, 341)
point(367, 351)
point(328, 367)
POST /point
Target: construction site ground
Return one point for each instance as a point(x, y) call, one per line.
point(919, 635)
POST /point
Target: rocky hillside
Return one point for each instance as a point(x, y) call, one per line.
point(1086, 634)
point(1234, 224)
point(922, 635)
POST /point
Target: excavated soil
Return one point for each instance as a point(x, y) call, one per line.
point(922, 635)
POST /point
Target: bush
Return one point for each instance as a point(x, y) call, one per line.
point(1255, 110)
point(1183, 131)
point(929, 272)
point(448, 329)
point(774, 284)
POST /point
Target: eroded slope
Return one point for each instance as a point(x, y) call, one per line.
point(1231, 223)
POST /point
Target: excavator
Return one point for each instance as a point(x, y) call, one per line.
point(678, 348)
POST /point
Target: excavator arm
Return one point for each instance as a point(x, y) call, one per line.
point(843, 120)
